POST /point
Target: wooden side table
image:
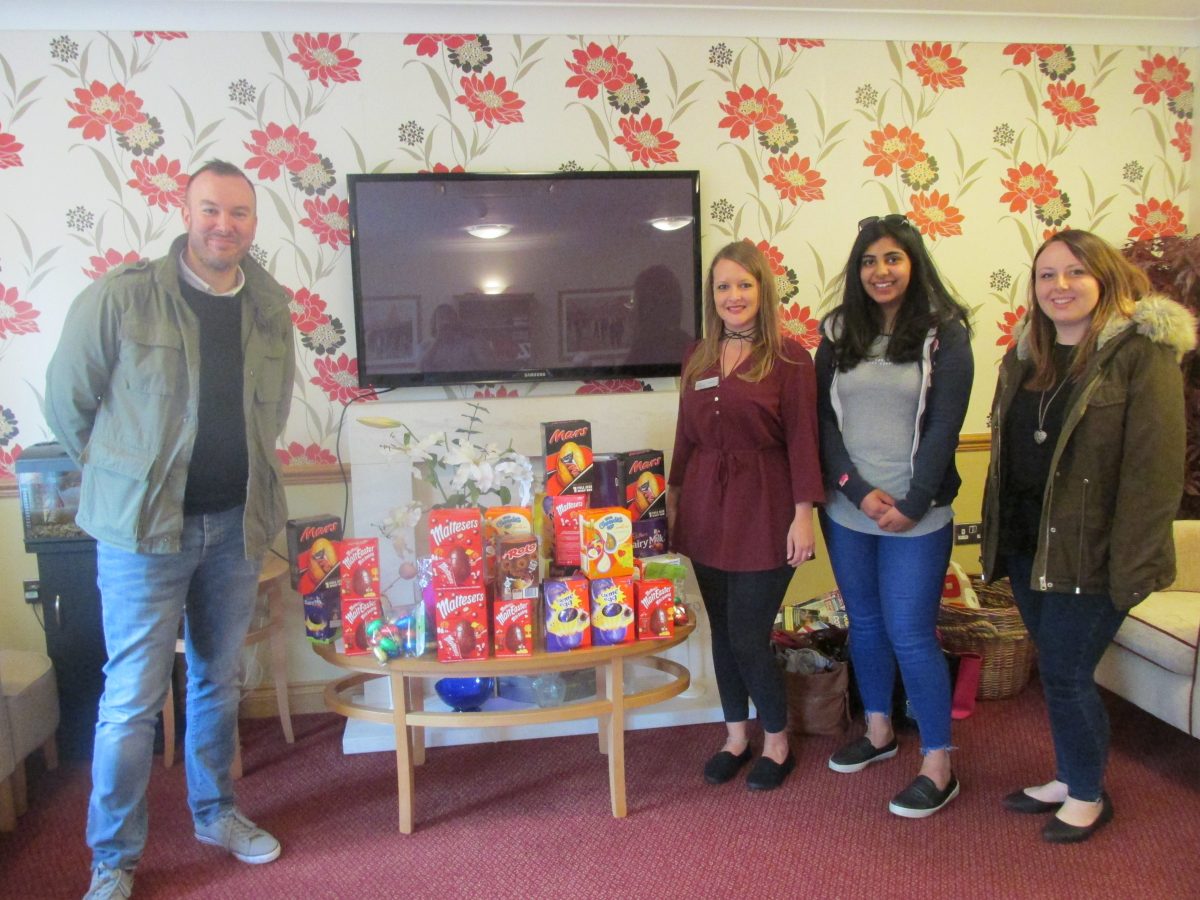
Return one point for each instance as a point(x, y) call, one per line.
point(410, 719)
point(271, 580)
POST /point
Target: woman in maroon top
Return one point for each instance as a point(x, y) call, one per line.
point(744, 477)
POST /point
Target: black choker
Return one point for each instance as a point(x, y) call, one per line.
point(748, 335)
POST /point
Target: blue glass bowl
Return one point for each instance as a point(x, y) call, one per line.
point(464, 694)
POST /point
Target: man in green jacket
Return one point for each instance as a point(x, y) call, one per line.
point(170, 386)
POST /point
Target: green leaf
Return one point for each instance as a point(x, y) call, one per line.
point(893, 49)
point(45, 257)
point(208, 129)
point(534, 47)
point(281, 208)
point(689, 90)
point(763, 59)
point(303, 258)
point(973, 168)
point(83, 63)
point(747, 161)
point(29, 88)
point(818, 263)
point(837, 129)
point(671, 79)
point(958, 152)
point(23, 238)
point(525, 70)
point(117, 55)
point(9, 77)
point(106, 168)
point(273, 48)
point(1104, 204)
point(294, 97)
point(597, 123)
point(358, 153)
point(679, 111)
point(736, 68)
point(820, 113)
point(1030, 93)
point(824, 153)
point(435, 78)
point(736, 228)
point(36, 280)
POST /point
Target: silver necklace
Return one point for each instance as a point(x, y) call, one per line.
point(1039, 435)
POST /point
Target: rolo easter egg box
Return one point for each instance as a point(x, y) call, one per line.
point(461, 618)
point(456, 545)
point(501, 521)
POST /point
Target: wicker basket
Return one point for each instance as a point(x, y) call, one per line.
point(994, 631)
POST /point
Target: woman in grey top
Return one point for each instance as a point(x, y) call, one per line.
point(894, 372)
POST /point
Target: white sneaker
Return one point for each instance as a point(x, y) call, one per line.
point(241, 837)
point(109, 884)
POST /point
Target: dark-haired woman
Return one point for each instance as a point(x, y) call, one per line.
point(1084, 481)
point(894, 372)
point(744, 478)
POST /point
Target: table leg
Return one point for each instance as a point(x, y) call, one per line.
point(279, 659)
point(416, 702)
point(616, 736)
point(404, 757)
point(602, 722)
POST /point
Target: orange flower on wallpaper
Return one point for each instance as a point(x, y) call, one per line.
point(151, 36)
point(110, 260)
point(489, 101)
point(338, 378)
point(894, 147)
point(1182, 140)
point(307, 309)
point(491, 393)
point(16, 316)
point(1028, 184)
point(297, 454)
point(1023, 54)
point(795, 180)
point(101, 107)
point(161, 182)
point(937, 68)
point(746, 108)
point(597, 68)
point(328, 220)
point(1007, 324)
point(427, 44)
point(934, 216)
point(797, 323)
point(1070, 105)
point(277, 147)
point(10, 156)
point(611, 386)
point(800, 43)
point(439, 168)
point(645, 140)
point(324, 59)
point(1156, 218)
point(1160, 76)
point(773, 254)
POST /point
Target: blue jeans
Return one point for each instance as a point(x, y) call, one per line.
point(741, 609)
point(892, 587)
point(1071, 633)
point(213, 587)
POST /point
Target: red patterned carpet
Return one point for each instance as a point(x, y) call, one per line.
point(531, 819)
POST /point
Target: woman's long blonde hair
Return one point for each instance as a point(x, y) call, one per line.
point(768, 342)
point(1122, 284)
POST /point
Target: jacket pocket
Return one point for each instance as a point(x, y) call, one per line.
point(268, 380)
point(151, 358)
point(115, 483)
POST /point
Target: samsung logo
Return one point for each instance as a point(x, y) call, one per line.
point(541, 373)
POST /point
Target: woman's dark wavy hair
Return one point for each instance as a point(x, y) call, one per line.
point(859, 319)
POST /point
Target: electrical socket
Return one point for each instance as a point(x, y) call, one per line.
point(967, 532)
point(33, 591)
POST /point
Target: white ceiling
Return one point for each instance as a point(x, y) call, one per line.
point(1130, 22)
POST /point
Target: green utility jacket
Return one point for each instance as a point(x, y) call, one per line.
point(122, 394)
point(1117, 470)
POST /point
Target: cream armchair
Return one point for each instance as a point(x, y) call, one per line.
point(28, 720)
point(1154, 661)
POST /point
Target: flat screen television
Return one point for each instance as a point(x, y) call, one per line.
point(467, 278)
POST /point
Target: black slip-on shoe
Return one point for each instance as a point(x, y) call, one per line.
point(1019, 801)
point(721, 767)
point(1057, 831)
point(768, 774)
point(922, 798)
point(857, 755)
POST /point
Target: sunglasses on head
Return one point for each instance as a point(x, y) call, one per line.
point(893, 219)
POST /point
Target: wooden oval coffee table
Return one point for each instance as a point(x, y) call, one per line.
point(409, 718)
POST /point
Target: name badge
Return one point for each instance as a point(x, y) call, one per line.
point(705, 383)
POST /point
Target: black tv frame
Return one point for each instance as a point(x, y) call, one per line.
point(590, 372)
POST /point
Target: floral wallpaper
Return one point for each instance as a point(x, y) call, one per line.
point(987, 148)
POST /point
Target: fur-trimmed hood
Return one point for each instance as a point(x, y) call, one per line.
point(1156, 316)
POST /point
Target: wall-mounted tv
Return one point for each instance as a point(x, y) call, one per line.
point(467, 278)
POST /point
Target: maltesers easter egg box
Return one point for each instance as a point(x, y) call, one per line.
point(461, 619)
point(456, 545)
point(606, 542)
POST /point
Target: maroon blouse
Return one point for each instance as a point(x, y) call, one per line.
point(745, 454)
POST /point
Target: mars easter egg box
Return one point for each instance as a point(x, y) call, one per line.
point(456, 545)
point(568, 450)
point(644, 483)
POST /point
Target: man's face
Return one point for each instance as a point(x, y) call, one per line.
point(220, 218)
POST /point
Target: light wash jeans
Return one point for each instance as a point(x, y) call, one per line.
point(144, 596)
point(892, 586)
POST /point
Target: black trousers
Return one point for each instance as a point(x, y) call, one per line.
point(741, 610)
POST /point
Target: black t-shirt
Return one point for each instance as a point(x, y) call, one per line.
point(219, 469)
point(1026, 462)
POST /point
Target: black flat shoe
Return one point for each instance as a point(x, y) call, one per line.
point(768, 774)
point(1059, 832)
point(1019, 801)
point(721, 767)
